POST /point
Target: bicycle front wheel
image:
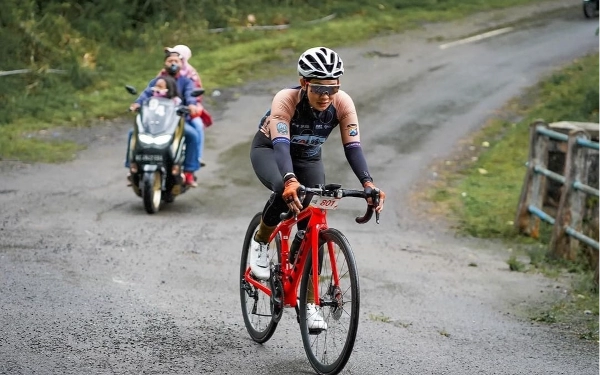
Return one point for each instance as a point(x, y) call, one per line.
point(257, 307)
point(328, 346)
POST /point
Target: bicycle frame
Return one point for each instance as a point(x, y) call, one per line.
point(292, 273)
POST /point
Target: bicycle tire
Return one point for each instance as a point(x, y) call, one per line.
point(257, 309)
point(329, 351)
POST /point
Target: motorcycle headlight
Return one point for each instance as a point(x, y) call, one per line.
point(149, 140)
point(146, 139)
point(162, 139)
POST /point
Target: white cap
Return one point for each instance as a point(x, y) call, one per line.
point(184, 51)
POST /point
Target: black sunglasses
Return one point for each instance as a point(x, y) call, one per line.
point(324, 89)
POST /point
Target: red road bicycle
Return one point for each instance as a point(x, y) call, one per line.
point(331, 282)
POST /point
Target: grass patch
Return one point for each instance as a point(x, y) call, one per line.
point(444, 333)
point(577, 311)
point(481, 192)
point(481, 189)
point(515, 264)
point(227, 59)
point(24, 144)
point(380, 318)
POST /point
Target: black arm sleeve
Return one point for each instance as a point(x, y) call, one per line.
point(357, 161)
point(281, 148)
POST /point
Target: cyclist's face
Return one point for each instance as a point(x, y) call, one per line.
point(320, 92)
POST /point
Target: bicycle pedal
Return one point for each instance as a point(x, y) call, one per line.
point(315, 331)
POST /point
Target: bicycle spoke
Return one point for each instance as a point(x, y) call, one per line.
point(256, 304)
point(329, 349)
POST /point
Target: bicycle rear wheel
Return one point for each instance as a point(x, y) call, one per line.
point(329, 350)
point(257, 307)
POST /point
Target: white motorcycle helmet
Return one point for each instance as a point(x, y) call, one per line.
point(320, 63)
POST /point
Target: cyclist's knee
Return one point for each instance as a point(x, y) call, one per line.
point(273, 209)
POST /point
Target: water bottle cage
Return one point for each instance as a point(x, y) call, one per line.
point(295, 246)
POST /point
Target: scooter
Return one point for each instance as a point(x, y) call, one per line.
point(157, 151)
point(590, 8)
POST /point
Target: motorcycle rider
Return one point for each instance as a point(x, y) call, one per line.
point(286, 149)
point(202, 119)
point(185, 87)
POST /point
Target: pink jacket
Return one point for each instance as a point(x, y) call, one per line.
point(189, 71)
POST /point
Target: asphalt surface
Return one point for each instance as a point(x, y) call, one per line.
point(91, 284)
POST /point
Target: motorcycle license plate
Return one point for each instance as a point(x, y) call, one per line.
point(141, 158)
point(324, 203)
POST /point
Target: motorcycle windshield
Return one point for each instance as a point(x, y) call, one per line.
point(158, 116)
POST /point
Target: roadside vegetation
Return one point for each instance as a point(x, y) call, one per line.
point(100, 46)
point(480, 190)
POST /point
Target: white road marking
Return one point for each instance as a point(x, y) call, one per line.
point(119, 281)
point(475, 38)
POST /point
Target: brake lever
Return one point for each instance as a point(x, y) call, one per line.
point(375, 194)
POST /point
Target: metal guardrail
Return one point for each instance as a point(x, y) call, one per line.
point(568, 221)
point(25, 71)
point(565, 138)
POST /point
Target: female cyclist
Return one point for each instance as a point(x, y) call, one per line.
point(286, 150)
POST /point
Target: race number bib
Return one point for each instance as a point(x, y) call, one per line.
point(324, 203)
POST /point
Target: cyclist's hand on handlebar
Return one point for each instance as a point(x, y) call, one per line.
point(134, 107)
point(290, 195)
point(369, 187)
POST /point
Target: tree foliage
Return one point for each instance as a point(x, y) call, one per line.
point(91, 40)
point(81, 37)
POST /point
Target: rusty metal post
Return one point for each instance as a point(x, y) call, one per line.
point(572, 201)
point(534, 184)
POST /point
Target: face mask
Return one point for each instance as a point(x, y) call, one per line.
point(173, 69)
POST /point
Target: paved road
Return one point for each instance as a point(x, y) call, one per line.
point(91, 284)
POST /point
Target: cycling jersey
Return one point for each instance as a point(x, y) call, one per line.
point(309, 129)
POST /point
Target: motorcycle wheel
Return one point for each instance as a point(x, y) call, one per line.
point(589, 9)
point(152, 191)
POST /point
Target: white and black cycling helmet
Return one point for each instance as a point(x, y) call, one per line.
point(320, 63)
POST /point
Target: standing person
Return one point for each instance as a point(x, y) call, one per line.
point(286, 149)
point(202, 119)
point(185, 87)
